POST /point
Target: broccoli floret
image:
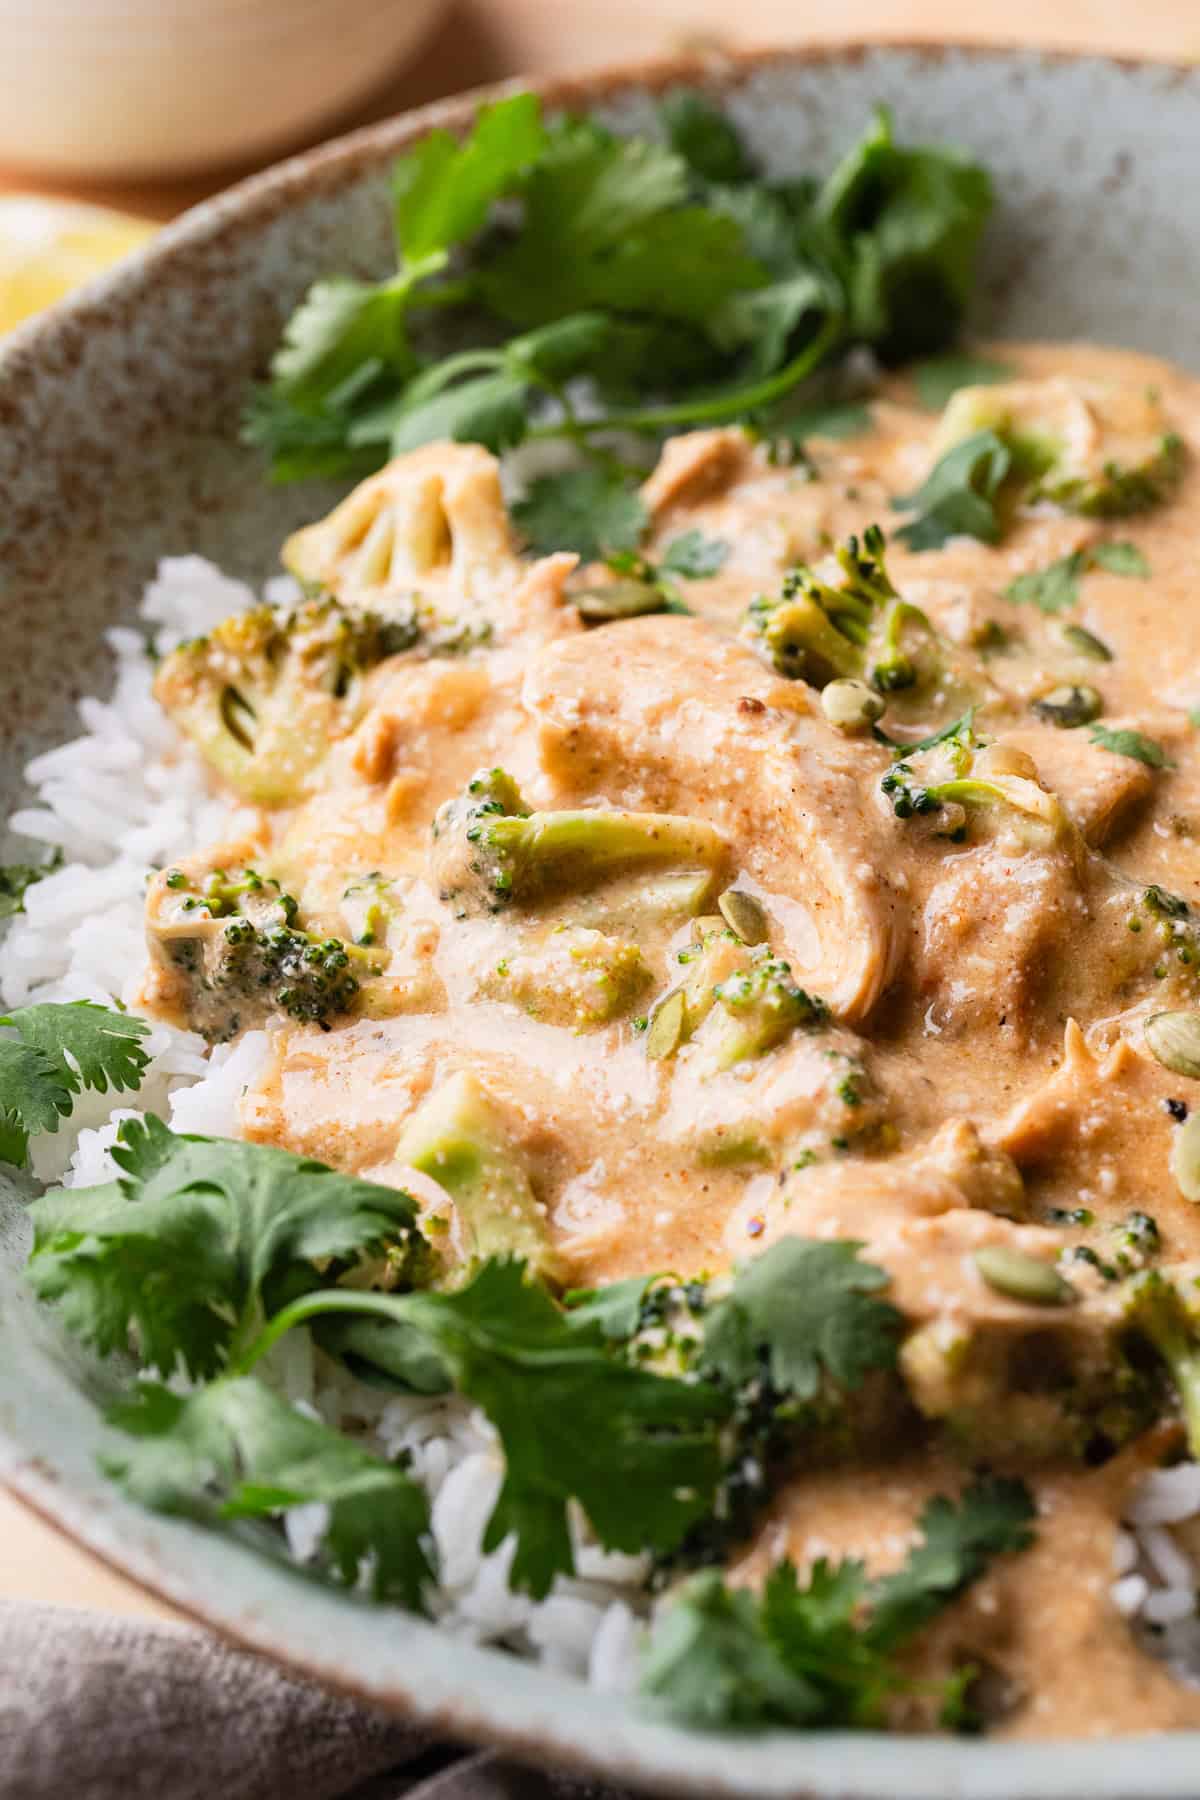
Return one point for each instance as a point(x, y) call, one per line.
point(489, 849)
point(1055, 1391)
point(458, 1138)
point(818, 632)
point(760, 1006)
point(573, 977)
point(1155, 1309)
point(267, 691)
point(1101, 452)
point(741, 999)
point(955, 771)
point(233, 952)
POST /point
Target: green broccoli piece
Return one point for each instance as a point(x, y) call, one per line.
point(953, 769)
point(458, 1138)
point(265, 693)
point(232, 952)
point(1099, 452)
point(817, 632)
point(760, 1006)
point(490, 850)
point(573, 977)
point(1156, 1311)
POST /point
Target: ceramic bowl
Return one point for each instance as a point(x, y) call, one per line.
point(118, 445)
point(157, 88)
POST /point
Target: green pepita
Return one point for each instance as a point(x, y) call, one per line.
point(1185, 1158)
point(624, 599)
point(744, 916)
point(1070, 705)
point(1083, 642)
point(665, 1031)
point(1174, 1038)
point(1021, 1277)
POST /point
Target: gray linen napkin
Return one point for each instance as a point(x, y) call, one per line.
point(104, 1708)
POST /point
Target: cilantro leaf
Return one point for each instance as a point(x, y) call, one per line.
point(615, 1309)
point(993, 1517)
point(811, 1309)
point(234, 1450)
point(590, 511)
point(442, 190)
point(183, 1244)
point(694, 556)
point(825, 1651)
point(637, 1451)
point(1119, 559)
point(340, 328)
point(17, 878)
point(1124, 742)
point(958, 496)
point(1056, 588)
point(937, 377)
point(712, 1665)
point(1053, 589)
point(606, 226)
point(702, 134)
point(35, 1093)
point(58, 1050)
point(98, 1047)
point(908, 224)
point(490, 410)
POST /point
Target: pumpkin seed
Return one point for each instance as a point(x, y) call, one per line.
point(1072, 704)
point(744, 916)
point(1085, 643)
point(1021, 1277)
point(624, 599)
point(1174, 1038)
point(850, 706)
point(665, 1030)
point(1185, 1158)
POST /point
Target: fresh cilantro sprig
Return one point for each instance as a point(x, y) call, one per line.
point(674, 276)
point(183, 1244)
point(637, 1451)
point(827, 1651)
point(234, 1451)
point(592, 511)
point(57, 1051)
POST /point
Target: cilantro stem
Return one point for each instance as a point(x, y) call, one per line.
point(730, 404)
point(311, 1306)
point(446, 293)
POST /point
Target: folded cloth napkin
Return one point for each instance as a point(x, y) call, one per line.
point(104, 1708)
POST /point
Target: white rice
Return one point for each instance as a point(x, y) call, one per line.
point(128, 796)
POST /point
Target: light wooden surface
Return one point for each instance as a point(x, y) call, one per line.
point(484, 40)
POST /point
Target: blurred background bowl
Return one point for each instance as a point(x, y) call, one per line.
point(166, 87)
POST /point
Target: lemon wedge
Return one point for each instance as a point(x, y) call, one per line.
point(48, 247)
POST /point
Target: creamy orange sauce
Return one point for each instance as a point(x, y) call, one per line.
point(985, 1061)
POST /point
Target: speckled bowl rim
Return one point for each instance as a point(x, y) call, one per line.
point(470, 1693)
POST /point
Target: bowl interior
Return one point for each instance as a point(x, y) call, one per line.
point(118, 446)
